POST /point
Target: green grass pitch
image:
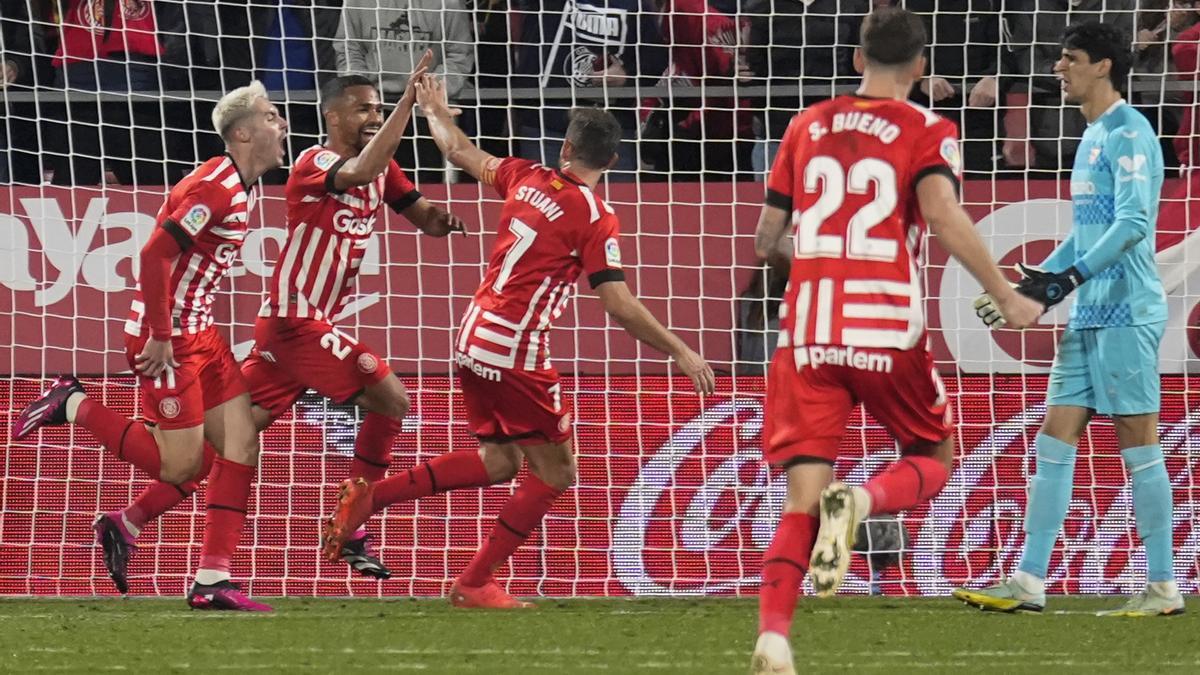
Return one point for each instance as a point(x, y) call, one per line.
point(582, 636)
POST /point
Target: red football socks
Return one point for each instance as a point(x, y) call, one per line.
point(160, 497)
point(523, 512)
point(784, 564)
point(127, 440)
point(905, 484)
point(450, 471)
point(373, 447)
point(228, 493)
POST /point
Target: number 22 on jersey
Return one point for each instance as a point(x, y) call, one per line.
point(825, 174)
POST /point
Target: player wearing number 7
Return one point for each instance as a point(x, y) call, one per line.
point(858, 176)
point(552, 228)
point(1107, 360)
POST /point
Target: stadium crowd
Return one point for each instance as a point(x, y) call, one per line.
point(516, 68)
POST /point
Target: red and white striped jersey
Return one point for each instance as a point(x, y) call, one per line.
point(328, 234)
point(210, 208)
point(847, 171)
point(552, 227)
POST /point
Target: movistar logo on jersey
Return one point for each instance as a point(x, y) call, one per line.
point(1132, 168)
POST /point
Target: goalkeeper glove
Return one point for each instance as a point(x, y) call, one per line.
point(988, 312)
point(1048, 288)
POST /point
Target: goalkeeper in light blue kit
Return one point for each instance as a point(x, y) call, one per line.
point(1107, 360)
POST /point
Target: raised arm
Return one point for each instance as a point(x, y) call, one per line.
point(454, 144)
point(376, 156)
point(956, 233)
point(633, 316)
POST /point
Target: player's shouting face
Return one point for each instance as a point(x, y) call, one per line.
point(356, 117)
point(267, 130)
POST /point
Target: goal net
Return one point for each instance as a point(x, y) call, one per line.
point(672, 496)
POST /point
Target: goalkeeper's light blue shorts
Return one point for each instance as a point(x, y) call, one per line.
point(1113, 371)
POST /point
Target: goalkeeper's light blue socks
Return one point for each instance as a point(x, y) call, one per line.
point(1049, 497)
point(1152, 508)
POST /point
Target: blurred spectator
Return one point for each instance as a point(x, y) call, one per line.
point(300, 44)
point(492, 69)
point(1160, 23)
point(23, 58)
point(791, 42)
point(1048, 137)
point(1186, 52)
point(116, 46)
point(565, 45)
point(964, 45)
point(385, 39)
point(690, 135)
point(108, 45)
point(758, 320)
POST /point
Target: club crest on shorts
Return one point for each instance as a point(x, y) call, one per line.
point(367, 363)
point(564, 423)
point(169, 407)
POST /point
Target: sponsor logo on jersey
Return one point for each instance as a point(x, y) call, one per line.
point(469, 363)
point(195, 219)
point(325, 159)
point(1132, 166)
point(950, 153)
point(346, 222)
point(849, 357)
point(368, 363)
point(226, 253)
point(1094, 156)
point(1083, 187)
point(169, 407)
point(556, 184)
point(612, 252)
point(564, 423)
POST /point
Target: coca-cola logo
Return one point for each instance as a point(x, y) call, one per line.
point(675, 517)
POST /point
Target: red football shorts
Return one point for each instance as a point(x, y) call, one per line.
point(207, 376)
point(511, 406)
point(292, 355)
point(806, 409)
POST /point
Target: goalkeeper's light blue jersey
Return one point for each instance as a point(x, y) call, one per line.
point(1115, 184)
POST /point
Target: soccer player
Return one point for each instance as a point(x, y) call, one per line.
point(334, 194)
point(858, 176)
point(553, 227)
point(1107, 361)
point(190, 386)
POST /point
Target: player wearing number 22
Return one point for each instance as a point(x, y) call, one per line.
point(1107, 360)
point(335, 194)
point(553, 227)
point(190, 385)
point(858, 176)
